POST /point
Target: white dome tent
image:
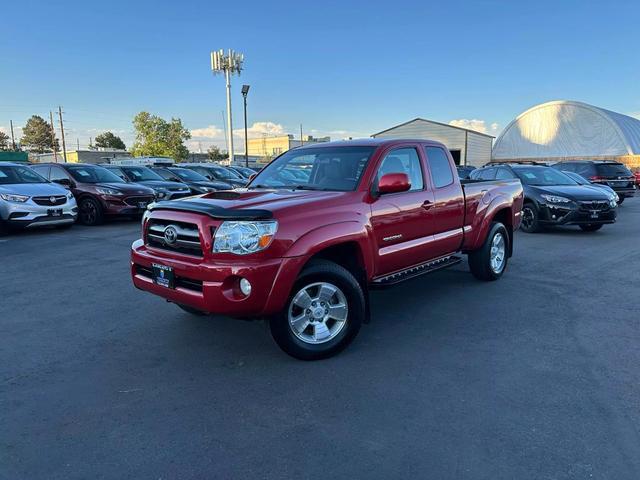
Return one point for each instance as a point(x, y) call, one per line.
point(569, 130)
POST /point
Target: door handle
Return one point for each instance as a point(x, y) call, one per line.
point(427, 204)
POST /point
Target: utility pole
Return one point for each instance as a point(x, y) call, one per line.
point(301, 140)
point(224, 125)
point(245, 91)
point(227, 63)
point(53, 138)
point(64, 147)
point(77, 144)
point(13, 140)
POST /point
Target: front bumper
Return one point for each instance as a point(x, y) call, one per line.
point(130, 205)
point(214, 286)
point(560, 214)
point(625, 192)
point(30, 214)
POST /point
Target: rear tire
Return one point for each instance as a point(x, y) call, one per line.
point(530, 222)
point(4, 228)
point(489, 262)
point(191, 310)
point(323, 315)
point(91, 213)
point(591, 227)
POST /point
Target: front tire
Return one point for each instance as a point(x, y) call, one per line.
point(4, 228)
point(91, 213)
point(489, 262)
point(620, 200)
point(591, 227)
point(530, 220)
point(323, 315)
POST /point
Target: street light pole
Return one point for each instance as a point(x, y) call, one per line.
point(227, 63)
point(245, 91)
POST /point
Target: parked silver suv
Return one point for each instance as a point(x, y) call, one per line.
point(28, 200)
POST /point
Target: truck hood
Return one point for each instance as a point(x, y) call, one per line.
point(271, 200)
point(33, 189)
point(574, 192)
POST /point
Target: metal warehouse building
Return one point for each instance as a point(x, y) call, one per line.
point(568, 130)
point(468, 147)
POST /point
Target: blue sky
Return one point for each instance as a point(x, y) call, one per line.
point(339, 68)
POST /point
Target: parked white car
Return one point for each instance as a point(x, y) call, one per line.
point(28, 200)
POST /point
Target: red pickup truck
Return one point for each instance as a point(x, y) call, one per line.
point(317, 229)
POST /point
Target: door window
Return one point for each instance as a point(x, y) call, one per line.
point(42, 170)
point(58, 173)
point(440, 167)
point(486, 174)
point(504, 174)
point(403, 160)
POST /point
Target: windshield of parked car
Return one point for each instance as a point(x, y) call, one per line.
point(578, 178)
point(189, 175)
point(118, 172)
point(10, 175)
point(322, 168)
point(223, 173)
point(542, 176)
point(141, 174)
point(612, 170)
point(93, 174)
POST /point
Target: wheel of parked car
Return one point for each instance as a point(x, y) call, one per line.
point(4, 229)
point(191, 310)
point(90, 212)
point(323, 315)
point(530, 223)
point(490, 261)
point(592, 227)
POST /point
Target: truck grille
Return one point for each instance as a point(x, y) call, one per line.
point(173, 236)
point(51, 201)
point(595, 205)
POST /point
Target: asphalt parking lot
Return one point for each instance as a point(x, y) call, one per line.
point(534, 376)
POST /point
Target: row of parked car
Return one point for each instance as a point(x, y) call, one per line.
point(58, 194)
point(584, 193)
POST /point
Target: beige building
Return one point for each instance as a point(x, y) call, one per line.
point(81, 156)
point(269, 147)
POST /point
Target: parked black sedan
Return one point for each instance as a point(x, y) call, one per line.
point(145, 176)
point(217, 173)
point(553, 198)
point(197, 183)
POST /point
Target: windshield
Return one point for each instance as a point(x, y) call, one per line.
point(542, 176)
point(578, 178)
point(141, 174)
point(14, 174)
point(93, 174)
point(189, 175)
point(612, 170)
point(118, 172)
point(323, 168)
point(223, 173)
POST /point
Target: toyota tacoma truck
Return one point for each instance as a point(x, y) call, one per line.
point(319, 228)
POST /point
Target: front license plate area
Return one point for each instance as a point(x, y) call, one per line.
point(142, 205)
point(594, 215)
point(54, 212)
point(163, 275)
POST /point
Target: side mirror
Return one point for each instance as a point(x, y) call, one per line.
point(65, 182)
point(394, 183)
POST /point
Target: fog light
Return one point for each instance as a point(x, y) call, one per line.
point(245, 287)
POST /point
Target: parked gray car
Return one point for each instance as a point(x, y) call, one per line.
point(29, 200)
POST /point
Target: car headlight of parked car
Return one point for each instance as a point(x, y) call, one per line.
point(14, 198)
point(613, 201)
point(244, 237)
point(108, 191)
point(160, 193)
point(69, 195)
point(555, 199)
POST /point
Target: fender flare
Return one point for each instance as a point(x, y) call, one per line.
point(500, 202)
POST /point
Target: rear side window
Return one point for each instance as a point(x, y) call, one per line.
point(58, 173)
point(439, 166)
point(403, 160)
point(504, 174)
point(613, 170)
point(584, 169)
point(485, 174)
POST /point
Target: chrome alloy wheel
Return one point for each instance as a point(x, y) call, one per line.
point(498, 253)
point(318, 313)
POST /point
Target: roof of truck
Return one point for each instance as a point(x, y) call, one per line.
point(368, 142)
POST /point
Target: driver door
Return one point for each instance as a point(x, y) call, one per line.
point(402, 221)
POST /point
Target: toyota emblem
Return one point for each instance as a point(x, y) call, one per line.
point(170, 235)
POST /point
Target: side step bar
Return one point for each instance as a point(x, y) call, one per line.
point(416, 271)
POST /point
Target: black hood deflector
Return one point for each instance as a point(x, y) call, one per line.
point(213, 211)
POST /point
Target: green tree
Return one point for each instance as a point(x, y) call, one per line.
point(215, 154)
point(4, 141)
point(109, 140)
point(157, 137)
point(38, 136)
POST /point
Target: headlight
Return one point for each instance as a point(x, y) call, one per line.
point(108, 191)
point(613, 203)
point(14, 198)
point(69, 195)
point(555, 199)
point(244, 237)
